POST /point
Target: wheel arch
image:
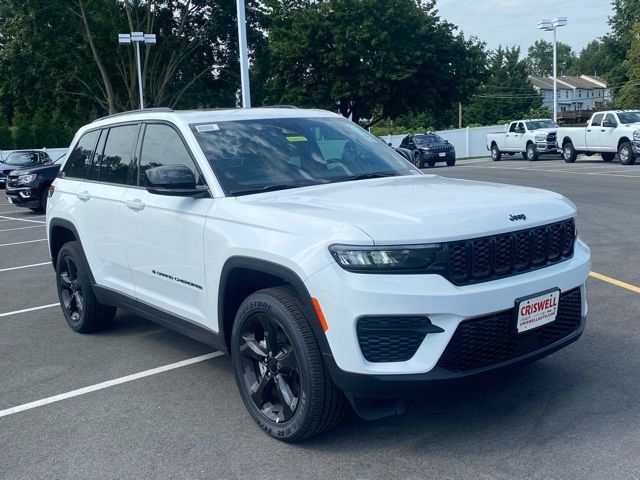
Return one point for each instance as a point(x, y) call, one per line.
point(60, 232)
point(242, 276)
point(623, 140)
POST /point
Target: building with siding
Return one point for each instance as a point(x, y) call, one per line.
point(586, 92)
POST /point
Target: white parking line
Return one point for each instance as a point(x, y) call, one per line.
point(22, 219)
point(20, 228)
point(20, 243)
point(25, 266)
point(25, 310)
point(110, 383)
point(15, 211)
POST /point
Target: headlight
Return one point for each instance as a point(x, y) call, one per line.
point(398, 259)
point(27, 178)
point(636, 135)
point(541, 138)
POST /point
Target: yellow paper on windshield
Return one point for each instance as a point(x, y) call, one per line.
point(297, 139)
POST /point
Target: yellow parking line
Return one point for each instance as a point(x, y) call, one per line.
point(615, 282)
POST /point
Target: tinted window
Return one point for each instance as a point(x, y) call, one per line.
point(162, 145)
point(94, 169)
point(22, 158)
point(540, 124)
point(428, 139)
point(597, 120)
point(80, 158)
point(118, 154)
point(512, 128)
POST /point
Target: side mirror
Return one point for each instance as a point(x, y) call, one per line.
point(609, 124)
point(175, 181)
point(446, 141)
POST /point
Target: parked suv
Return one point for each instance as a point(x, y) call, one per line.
point(29, 188)
point(429, 148)
point(20, 159)
point(313, 254)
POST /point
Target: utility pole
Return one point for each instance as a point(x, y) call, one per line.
point(244, 55)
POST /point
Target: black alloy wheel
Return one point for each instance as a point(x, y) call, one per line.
point(417, 159)
point(271, 371)
point(71, 289)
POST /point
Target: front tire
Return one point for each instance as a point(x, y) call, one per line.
point(569, 153)
point(496, 155)
point(417, 160)
point(79, 304)
point(532, 152)
point(625, 152)
point(451, 162)
point(279, 370)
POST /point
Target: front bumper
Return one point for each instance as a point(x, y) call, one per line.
point(446, 305)
point(547, 147)
point(23, 197)
point(435, 156)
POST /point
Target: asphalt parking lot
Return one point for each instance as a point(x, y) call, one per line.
point(575, 414)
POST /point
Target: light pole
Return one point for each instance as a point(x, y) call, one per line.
point(244, 55)
point(137, 38)
point(552, 26)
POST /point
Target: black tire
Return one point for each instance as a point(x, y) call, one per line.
point(431, 163)
point(256, 367)
point(496, 154)
point(569, 153)
point(626, 155)
point(451, 162)
point(524, 155)
point(79, 304)
point(532, 152)
point(608, 157)
point(417, 159)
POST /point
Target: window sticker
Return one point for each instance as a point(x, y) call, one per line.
point(297, 139)
point(211, 127)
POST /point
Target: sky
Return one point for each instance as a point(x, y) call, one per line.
point(514, 22)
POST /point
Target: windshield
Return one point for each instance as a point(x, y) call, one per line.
point(251, 156)
point(427, 139)
point(22, 158)
point(540, 124)
point(629, 117)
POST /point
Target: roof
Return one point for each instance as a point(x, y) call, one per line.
point(583, 82)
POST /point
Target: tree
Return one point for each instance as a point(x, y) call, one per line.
point(368, 56)
point(6, 137)
point(23, 131)
point(508, 92)
point(540, 58)
point(597, 58)
point(629, 96)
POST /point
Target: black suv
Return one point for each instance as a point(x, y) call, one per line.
point(29, 187)
point(20, 159)
point(429, 148)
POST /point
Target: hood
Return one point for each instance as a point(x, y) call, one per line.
point(545, 131)
point(420, 208)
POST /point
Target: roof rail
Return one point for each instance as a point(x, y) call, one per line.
point(131, 112)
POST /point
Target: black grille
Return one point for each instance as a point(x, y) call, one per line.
point(551, 137)
point(488, 258)
point(439, 148)
point(391, 339)
point(485, 341)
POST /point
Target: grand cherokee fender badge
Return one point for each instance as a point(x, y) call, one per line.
point(176, 279)
point(520, 216)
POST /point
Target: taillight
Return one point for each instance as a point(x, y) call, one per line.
point(51, 190)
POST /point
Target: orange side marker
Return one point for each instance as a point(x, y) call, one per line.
point(323, 321)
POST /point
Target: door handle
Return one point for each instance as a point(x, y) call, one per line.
point(603, 130)
point(84, 196)
point(588, 129)
point(135, 205)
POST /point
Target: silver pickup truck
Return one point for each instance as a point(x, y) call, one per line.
point(607, 133)
point(531, 138)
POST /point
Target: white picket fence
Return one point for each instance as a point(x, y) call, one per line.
point(54, 153)
point(468, 142)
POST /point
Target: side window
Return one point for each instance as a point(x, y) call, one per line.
point(611, 118)
point(80, 157)
point(94, 170)
point(162, 145)
point(118, 154)
point(521, 127)
point(512, 128)
point(597, 120)
point(405, 142)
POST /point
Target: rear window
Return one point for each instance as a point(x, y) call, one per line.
point(79, 160)
point(118, 154)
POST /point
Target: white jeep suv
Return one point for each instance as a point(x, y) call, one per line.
point(324, 263)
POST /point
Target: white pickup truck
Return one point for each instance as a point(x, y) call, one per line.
point(607, 133)
point(531, 138)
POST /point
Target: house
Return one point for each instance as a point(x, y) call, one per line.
point(586, 92)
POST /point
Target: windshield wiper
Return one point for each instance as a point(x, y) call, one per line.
point(366, 176)
point(266, 188)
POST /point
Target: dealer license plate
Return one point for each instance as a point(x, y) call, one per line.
point(534, 312)
point(442, 154)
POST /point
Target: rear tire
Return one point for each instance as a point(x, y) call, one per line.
point(608, 157)
point(279, 369)
point(569, 153)
point(626, 155)
point(496, 154)
point(79, 304)
point(532, 152)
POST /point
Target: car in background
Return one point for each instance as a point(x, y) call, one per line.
point(531, 138)
point(20, 159)
point(429, 148)
point(607, 133)
point(406, 153)
point(29, 187)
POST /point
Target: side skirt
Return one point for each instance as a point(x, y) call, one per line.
point(107, 296)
